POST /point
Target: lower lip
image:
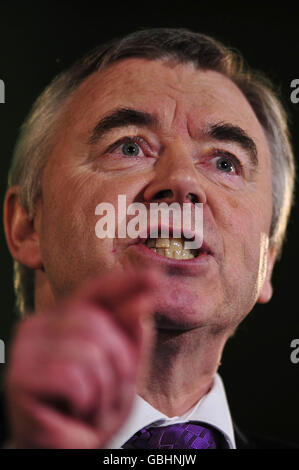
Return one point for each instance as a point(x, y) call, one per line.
point(194, 264)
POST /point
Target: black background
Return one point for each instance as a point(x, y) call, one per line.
point(39, 39)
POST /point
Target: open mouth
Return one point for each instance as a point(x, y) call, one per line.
point(173, 248)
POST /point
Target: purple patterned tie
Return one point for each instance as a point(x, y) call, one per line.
point(175, 436)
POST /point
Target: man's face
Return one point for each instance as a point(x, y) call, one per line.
point(177, 156)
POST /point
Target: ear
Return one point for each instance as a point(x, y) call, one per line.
point(20, 230)
point(266, 290)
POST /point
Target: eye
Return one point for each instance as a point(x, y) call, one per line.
point(227, 163)
point(130, 149)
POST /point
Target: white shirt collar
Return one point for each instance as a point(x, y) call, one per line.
point(212, 409)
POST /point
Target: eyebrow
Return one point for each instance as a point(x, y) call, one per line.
point(227, 132)
point(222, 131)
point(122, 117)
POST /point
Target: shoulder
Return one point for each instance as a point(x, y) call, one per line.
point(250, 440)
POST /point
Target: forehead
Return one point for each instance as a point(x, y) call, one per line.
point(179, 94)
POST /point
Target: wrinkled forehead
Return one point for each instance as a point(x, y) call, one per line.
point(180, 95)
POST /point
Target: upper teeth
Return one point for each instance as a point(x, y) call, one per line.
point(171, 248)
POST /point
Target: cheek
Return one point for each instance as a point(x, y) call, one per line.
point(242, 224)
point(233, 202)
point(69, 245)
point(68, 241)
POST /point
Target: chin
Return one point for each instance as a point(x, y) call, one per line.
point(181, 314)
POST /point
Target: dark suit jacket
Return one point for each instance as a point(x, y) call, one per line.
point(243, 440)
point(250, 440)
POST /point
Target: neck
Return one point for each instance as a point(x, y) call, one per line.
point(181, 370)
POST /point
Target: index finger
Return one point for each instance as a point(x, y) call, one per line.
point(119, 286)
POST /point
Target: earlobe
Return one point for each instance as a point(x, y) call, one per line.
point(21, 236)
point(266, 291)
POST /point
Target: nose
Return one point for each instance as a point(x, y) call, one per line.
point(176, 179)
